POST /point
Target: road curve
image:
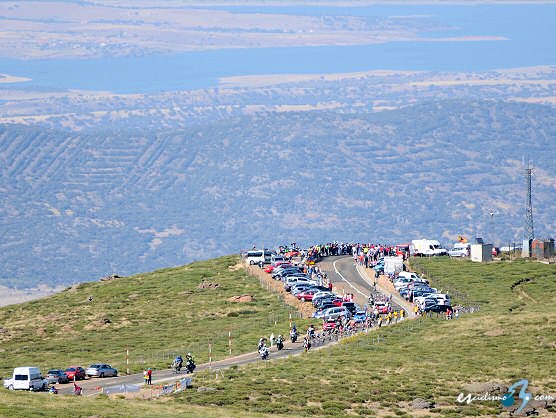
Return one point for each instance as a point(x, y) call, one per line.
point(340, 270)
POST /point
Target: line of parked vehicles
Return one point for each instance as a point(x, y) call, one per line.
point(329, 306)
point(30, 378)
point(417, 290)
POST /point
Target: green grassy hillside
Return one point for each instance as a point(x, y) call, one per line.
point(30, 405)
point(154, 315)
point(512, 337)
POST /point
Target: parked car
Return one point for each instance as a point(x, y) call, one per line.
point(323, 293)
point(409, 275)
point(276, 269)
point(319, 297)
point(438, 298)
point(401, 282)
point(291, 281)
point(458, 252)
point(289, 271)
point(26, 378)
point(287, 276)
point(101, 370)
point(334, 313)
point(437, 308)
point(306, 295)
point(75, 373)
point(56, 376)
point(324, 304)
point(300, 287)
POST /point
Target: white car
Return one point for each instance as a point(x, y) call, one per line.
point(439, 298)
point(323, 293)
point(401, 282)
point(459, 252)
point(408, 275)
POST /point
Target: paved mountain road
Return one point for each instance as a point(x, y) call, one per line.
point(341, 271)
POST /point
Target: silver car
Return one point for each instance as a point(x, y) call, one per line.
point(334, 313)
point(101, 370)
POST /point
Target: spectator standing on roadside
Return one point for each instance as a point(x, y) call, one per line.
point(402, 314)
point(146, 377)
point(272, 339)
point(457, 313)
point(395, 316)
point(149, 376)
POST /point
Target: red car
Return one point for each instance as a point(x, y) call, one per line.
point(271, 267)
point(306, 295)
point(338, 302)
point(293, 253)
point(382, 307)
point(75, 372)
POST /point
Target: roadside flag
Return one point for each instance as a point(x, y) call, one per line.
point(462, 239)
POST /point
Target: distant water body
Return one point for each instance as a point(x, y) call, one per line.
point(530, 29)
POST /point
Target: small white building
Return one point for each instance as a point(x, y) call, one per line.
point(481, 253)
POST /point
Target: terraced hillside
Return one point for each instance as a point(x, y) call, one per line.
point(82, 205)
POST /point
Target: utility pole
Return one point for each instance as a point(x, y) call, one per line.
point(492, 225)
point(529, 232)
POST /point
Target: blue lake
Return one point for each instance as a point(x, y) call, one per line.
point(530, 29)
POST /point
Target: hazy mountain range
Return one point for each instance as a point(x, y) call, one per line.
point(79, 205)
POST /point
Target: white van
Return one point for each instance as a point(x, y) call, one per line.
point(427, 248)
point(256, 256)
point(26, 378)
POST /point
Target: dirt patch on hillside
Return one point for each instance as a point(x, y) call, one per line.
point(495, 332)
point(241, 299)
point(236, 267)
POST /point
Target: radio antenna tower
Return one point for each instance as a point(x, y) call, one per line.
point(529, 230)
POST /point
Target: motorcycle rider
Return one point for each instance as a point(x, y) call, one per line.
point(263, 352)
point(293, 335)
point(178, 362)
point(189, 363)
point(280, 342)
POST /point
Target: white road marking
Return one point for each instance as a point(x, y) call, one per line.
point(345, 280)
